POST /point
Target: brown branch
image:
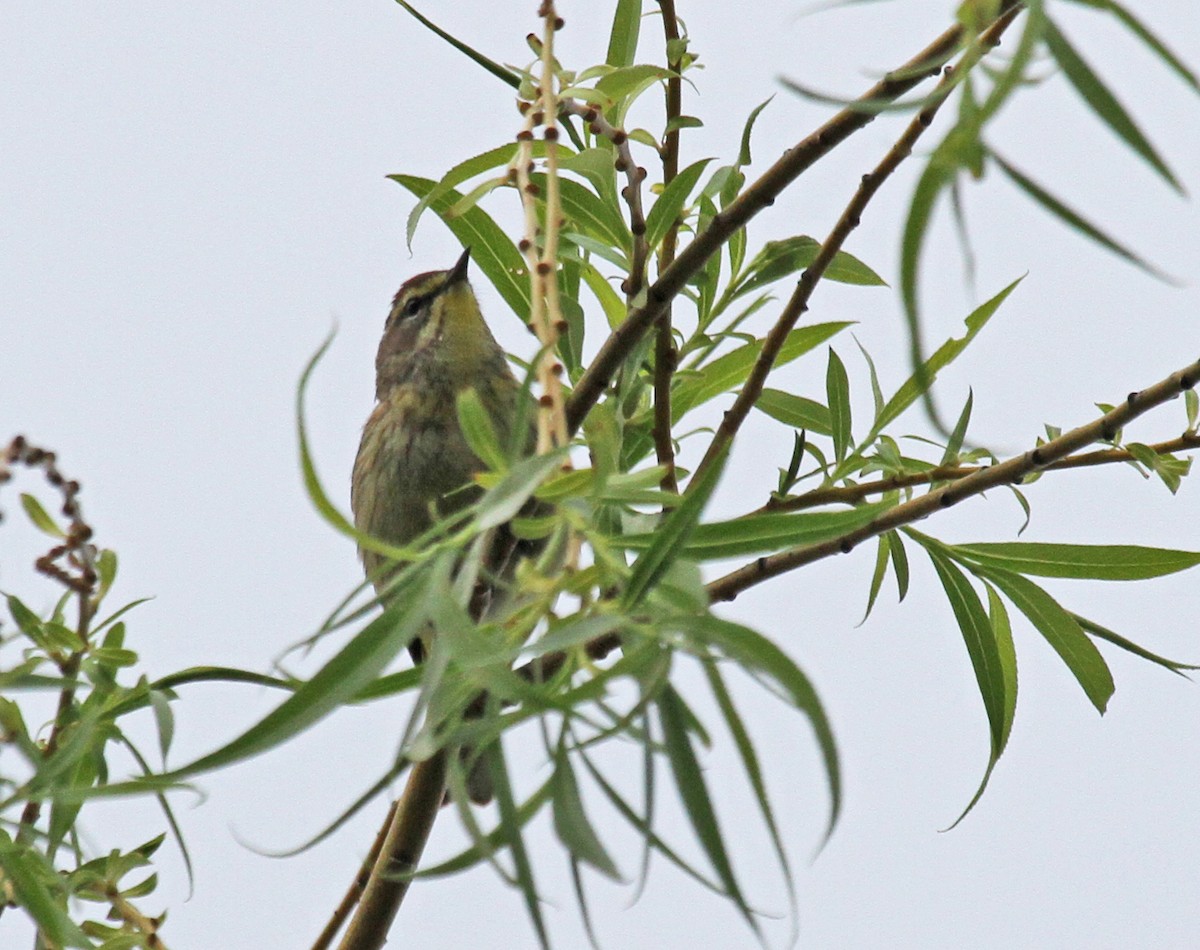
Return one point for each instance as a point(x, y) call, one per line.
point(357, 886)
point(758, 195)
point(1008, 472)
point(632, 192)
point(408, 829)
point(852, 494)
point(850, 219)
point(665, 355)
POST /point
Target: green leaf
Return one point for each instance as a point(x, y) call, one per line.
point(752, 650)
point(689, 780)
point(1101, 100)
point(981, 646)
point(628, 82)
point(753, 769)
point(588, 211)
point(955, 443)
point(41, 520)
point(503, 502)
point(795, 411)
point(510, 822)
point(879, 573)
point(571, 822)
point(837, 391)
point(1109, 562)
point(761, 534)
point(669, 204)
point(1074, 220)
point(729, 371)
point(340, 679)
point(491, 249)
point(671, 537)
point(778, 259)
point(1116, 639)
point(644, 828)
point(477, 429)
point(507, 75)
point(1002, 632)
point(945, 354)
point(1061, 631)
point(623, 38)
point(1139, 29)
point(27, 621)
point(31, 878)
point(748, 128)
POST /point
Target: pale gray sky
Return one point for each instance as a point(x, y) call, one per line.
point(191, 195)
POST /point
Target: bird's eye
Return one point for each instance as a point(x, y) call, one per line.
point(413, 307)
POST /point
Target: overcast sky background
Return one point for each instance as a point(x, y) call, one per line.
point(191, 194)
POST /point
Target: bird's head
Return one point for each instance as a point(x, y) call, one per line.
point(435, 321)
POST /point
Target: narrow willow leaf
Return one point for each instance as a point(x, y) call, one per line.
point(38, 516)
point(744, 152)
point(760, 534)
point(981, 646)
point(623, 37)
point(693, 791)
point(670, 203)
point(882, 558)
point(30, 877)
point(492, 251)
point(477, 429)
point(1101, 100)
point(780, 258)
point(500, 72)
point(504, 501)
point(936, 177)
point(646, 831)
point(337, 682)
point(798, 412)
point(942, 357)
point(571, 822)
point(510, 822)
point(493, 840)
point(464, 171)
point(1128, 645)
point(1142, 32)
point(1108, 562)
point(899, 563)
point(1002, 631)
point(959, 433)
point(1061, 632)
point(1076, 221)
point(750, 763)
point(837, 392)
point(752, 650)
point(729, 371)
point(672, 535)
point(628, 82)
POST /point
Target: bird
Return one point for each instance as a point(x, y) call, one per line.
point(414, 465)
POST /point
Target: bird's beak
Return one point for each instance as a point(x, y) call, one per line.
point(459, 271)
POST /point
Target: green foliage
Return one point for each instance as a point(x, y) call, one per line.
point(587, 652)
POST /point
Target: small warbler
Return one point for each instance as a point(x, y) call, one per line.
point(414, 464)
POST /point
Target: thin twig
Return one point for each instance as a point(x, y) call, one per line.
point(665, 354)
point(852, 494)
point(72, 564)
point(408, 830)
point(632, 192)
point(850, 219)
point(1011, 471)
point(357, 886)
point(753, 199)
